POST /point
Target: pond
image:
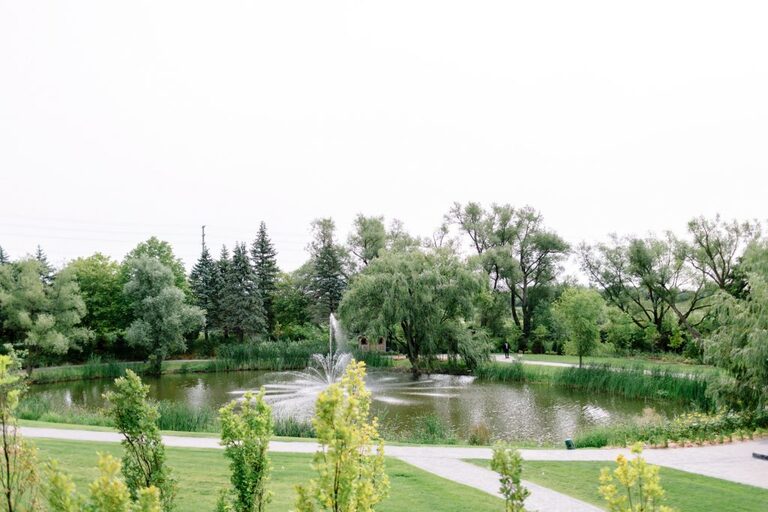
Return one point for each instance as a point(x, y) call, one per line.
point(522, 412)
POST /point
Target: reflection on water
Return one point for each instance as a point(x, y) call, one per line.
point(511, 411)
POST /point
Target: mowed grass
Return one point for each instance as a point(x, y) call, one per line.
point(687, 492)
point(624, 362)
point(202, 472)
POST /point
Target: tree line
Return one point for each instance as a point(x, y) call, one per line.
point(424, 295)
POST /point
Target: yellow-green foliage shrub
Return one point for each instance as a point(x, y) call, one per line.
point(634, 486)
point(351, 476)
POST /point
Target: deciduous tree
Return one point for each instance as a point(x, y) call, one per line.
point(136, 418)
point(351, 476)
point(163, 252)
point(19, 478)
point(580, 311)
point(246, 428)
point(161, 314)
point(716, 247)
point(368, 238)
point(41, 319)
point(416, 300)
point(740, 344)
point(98, 277)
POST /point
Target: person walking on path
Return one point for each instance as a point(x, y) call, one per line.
point(505, 348)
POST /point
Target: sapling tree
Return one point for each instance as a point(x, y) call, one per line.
point(108, 493)
point(246, 427)
point(136, 419)
point(19, 479)
point(351, 476)
point(508, 463)
point(634, 486)
point(580, 310)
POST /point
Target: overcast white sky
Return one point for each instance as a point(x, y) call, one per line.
point(120, 120)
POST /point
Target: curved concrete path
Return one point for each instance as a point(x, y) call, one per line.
point(732, 462)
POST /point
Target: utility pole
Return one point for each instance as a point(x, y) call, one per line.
point(203, 236)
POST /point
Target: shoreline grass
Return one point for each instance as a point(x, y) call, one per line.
point(626, 382)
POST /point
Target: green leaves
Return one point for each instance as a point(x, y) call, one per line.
point(581, 311)
point(740, 344)
point(415, 299)
point(351, 478)
point(41, 317)
point(161, 315)
point(108, 493)
point(246, 428)
point(509, 464)
point(136, 419)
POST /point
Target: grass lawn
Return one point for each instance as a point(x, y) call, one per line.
point(686, 492)
point(627, 362)
point(202, 472)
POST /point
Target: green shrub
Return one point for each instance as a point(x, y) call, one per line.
point(693, 427)
point(509, 464)
point(246, 428)
point(144, 458)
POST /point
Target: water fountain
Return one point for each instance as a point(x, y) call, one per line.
point(328, 368)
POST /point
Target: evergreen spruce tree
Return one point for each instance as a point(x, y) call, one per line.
point(46, 269)
point(328, 278)
point(4, 258)
point(241, 302)
point(218, 285)
point(264, 258)
point(202, 280)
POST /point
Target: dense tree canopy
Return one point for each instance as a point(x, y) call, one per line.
point(368, 238)
point(163, 252)
point(664, 293)
point(520, 256)
point(41, 318)
point(98, 277)
point(161, 315)
point(740, 344)
point(418, 301)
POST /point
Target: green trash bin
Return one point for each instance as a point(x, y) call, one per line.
point(569, 444)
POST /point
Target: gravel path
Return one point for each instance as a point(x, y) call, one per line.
point(733, 462)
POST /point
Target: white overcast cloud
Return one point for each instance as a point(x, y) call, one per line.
point(120, 120)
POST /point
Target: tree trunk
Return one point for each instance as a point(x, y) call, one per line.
point(514, 310)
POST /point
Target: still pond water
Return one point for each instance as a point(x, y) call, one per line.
point(529, 412)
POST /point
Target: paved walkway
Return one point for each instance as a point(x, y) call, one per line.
point(732, 462)
point(514, 359)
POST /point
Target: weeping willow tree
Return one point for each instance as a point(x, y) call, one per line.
point(740, 344)
point(419, 302)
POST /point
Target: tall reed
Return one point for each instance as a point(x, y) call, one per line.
point(269, 355)
point(630, 383)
